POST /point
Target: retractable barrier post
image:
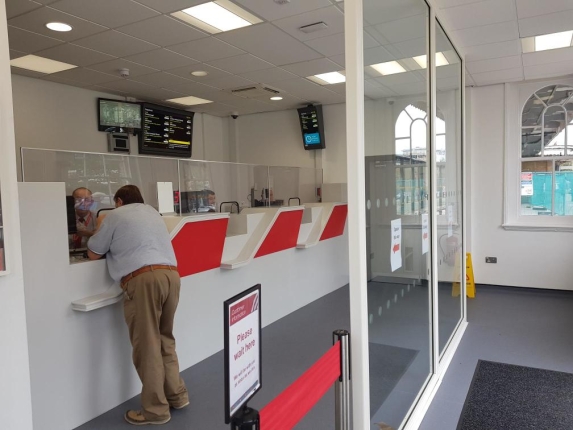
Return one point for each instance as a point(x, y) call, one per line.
point(246, 419)
point(342, 385)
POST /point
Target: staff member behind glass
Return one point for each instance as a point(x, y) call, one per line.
point(85, 221)
point(135, 241)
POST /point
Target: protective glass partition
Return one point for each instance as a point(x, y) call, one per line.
point(448, 154)
point(294, 185)
point(398, 198)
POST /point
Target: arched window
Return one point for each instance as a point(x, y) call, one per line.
point(547, 152)
point(410, 148)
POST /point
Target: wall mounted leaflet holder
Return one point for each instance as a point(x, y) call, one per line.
point(118, 142)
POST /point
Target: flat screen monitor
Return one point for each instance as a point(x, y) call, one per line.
point(116, 116)
point(312, 127)
point(166, 131)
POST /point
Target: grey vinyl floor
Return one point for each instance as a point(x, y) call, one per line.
point(509, 325)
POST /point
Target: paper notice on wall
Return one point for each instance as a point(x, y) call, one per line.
point(450, 220)
point(396, 244)
point(526, 183)
point(425, 234)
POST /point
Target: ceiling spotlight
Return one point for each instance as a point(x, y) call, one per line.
point(199, 73)
point(276, 98)
point(59, 26)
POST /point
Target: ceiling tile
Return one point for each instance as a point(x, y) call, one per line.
point(338, 88)
point(313, 67)
point(167, 6)
point(550, 23)
point(269, 76)
point(531, 8)
point(18, 7)
point(28, 73)
point(161, 59)
point(412, 48)
point(160, 79)
point(73, 54)
point(115, 43)
point(36, 21)
point(450, 71)
point(231, 81)
point(138, 89)
point(548, 70)
point(112, 67)
point(207, 49)
point(413, 27)
point(480, 13)
point(288, 101)
point(470, 81)
point(269, 43)
point(83, 76)
point(162, 31)
point(377, 91)
point(334, 45)
point(304, 89)
point(377, 12)
point(272, 11)
point(498, 76)
point(217, 109)
point(185, 72)
point(414, 88)
point(191, 88)
point(547, 57)
point(442, 4)
point(339, 59)
point(107, 90)
point(26, 41)
point(377, 55)
point(494, 64)
point(331, 16)
point(493, 50)
point(398, 79)
point(16, 54)
point(111, 13)
point(241, 64)
point(499, 32)
point(451, 83)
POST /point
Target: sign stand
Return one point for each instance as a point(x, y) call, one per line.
point(470, 283)
point(243, 357)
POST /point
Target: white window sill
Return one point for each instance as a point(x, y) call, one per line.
point(531, 227)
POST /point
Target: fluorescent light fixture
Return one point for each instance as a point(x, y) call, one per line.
point(40, 64)
point(189, 101)
point(59, 26)
point(553, 41)
point(441, 60)
point(388, 68)
point(328, 78)
point(199, 73)
point(276, 98)
point(217, 16)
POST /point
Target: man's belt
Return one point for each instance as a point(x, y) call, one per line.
point(144, 269)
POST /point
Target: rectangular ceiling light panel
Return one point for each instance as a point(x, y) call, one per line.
point(189, 101)
point(546, 42)
point(40, 64)
point(441, 60)
point(328, 78)
point(388, 68)
point(217, 16)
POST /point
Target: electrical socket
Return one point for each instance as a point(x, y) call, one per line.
point(491, 260)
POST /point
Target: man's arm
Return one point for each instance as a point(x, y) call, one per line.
point(93, 256)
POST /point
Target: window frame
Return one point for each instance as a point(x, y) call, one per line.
point(516, 96)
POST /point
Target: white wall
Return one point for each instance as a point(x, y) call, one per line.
point(15, 395)
point(525, 258)
point(50, 115)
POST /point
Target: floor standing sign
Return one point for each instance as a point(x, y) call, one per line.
point(243, 374)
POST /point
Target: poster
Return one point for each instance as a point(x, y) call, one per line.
point(396, 244)
point(242, 349)
point(425, 234)
point(526, 183)
point(450, 220)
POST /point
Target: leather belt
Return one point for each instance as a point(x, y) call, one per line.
point(144, 269)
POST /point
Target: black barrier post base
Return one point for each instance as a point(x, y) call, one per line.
point(246, 419)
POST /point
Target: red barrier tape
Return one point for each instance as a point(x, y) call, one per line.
point(289, 407)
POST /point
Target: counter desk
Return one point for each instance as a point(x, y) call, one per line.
point(80, 362)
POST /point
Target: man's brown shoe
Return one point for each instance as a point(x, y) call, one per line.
point(137, 419)
point(180, 406)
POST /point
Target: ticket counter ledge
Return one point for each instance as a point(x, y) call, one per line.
point(321, 221)
point(256, 232)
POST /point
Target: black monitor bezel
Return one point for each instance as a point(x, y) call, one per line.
point(117, 129)
point(318, 109)
point(169, 152)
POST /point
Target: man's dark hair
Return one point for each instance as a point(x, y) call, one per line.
point(208, 192)
point(128, 194)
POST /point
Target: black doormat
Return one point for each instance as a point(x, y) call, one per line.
point(509, 397)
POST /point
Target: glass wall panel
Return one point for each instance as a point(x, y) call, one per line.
point(2, 252)
point(449, 185)
point(397, 203)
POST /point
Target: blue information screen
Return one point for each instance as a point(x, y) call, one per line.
point(312, 138)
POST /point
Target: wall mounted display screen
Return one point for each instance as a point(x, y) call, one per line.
point(166, 131)
point(312, 127)
point(119, 117)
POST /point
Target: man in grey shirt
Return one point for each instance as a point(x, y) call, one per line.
point(137, 246)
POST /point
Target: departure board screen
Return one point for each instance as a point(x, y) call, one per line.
point(312, 127)
point(166, 131)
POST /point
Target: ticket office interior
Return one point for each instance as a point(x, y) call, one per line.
point(238, 159)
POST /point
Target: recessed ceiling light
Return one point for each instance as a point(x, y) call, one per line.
point(276, 98)
point(189, 101)
point(553, 41)
point(40, 64)
point(199, 73)
point(217, 16)
point(388, 68)
point(59, 26)
point(441, 60)
point(328, 78)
